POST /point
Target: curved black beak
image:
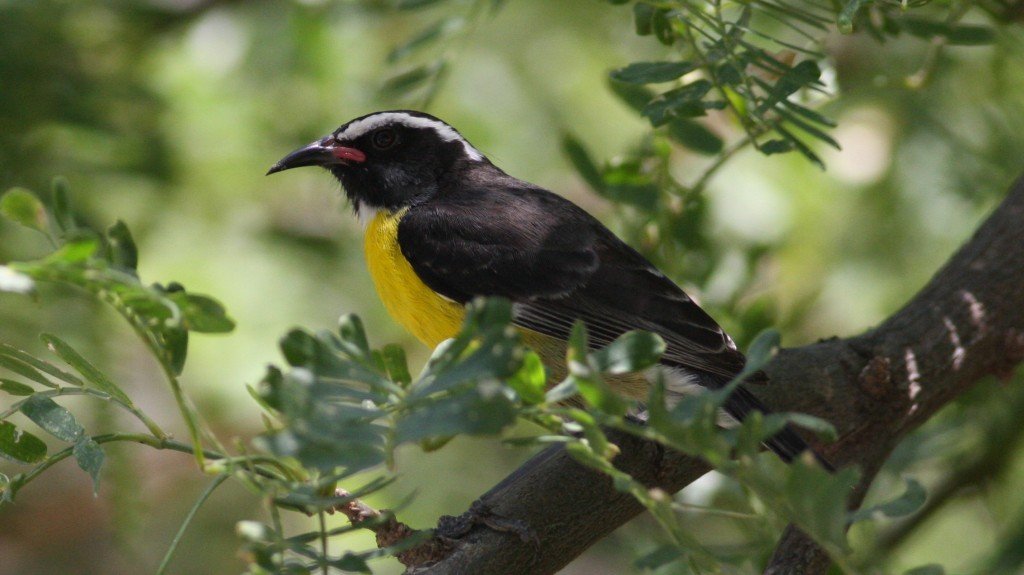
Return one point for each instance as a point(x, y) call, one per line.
point(315, 154)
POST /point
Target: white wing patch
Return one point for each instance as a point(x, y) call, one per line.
point(447, 133)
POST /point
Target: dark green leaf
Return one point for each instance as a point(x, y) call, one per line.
point(630, 352)
point(89, 456)
point(909, 502)
point(659, 557)
point(15, 387)
point(53, 418)
point(967, 35)
point(652, 72)
point(663, 30)
point(695, 136)
point(62, 214)
point(635, 96)
point(123, 253)
point(776, 147)
point(20, 446)
point(351, 330)
point(174, 342)
point(643, 14)
point(679, 103)
point(90, 372)
point(22, 206)
point(581, 160)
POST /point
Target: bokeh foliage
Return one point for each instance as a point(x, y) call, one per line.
point(166, 113)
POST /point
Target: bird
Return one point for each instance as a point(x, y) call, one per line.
point(444, 225)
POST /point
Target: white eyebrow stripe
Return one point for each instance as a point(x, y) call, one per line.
point(447, 133)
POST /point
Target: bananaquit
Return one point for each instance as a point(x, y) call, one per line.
point(444, 225)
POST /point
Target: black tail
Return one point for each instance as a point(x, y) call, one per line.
point(787, 444)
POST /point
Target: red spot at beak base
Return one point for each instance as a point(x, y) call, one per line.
point(348, 154)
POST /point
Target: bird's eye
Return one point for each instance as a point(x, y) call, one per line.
point(384, 138)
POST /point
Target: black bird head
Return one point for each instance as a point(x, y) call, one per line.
point(388, 160)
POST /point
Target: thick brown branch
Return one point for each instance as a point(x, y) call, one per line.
point(967, 323)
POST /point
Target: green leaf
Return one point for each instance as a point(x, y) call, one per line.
point(481, 410)
point(407, 81)
point(62, 214)
point(431, 34)
point(652, 72)
point(643, 15)
point(20, 446)
point(351, 330)
point(581, 160)
point(819, 426)
point(15, 282)
point(25, 370)
point(967, 35)
point(202, 314)
point(90, 372)
point(22, 206)
point(635, 96)
point(681, 102)
point(663, 30)
point(53, 418)
point(89, 456)
point(695, 136)
point(396, 365)
point(659, 557)
point(15, 387)
point(912, 499)
point(43, 366)
point(776, 147)
point(631, 352)
point(530, 380)
point(762, 349)
point(123, 253)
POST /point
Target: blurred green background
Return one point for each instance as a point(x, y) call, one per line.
point(167, 113)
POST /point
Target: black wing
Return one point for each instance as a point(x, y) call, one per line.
point(557, 264)
point(494, 235)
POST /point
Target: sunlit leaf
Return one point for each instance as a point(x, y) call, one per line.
point(530, 380)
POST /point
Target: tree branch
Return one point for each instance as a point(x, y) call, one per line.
point(967, 323)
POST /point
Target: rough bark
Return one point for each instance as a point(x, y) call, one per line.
point(965, 324)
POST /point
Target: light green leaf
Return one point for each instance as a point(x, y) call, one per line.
point(22, 206)
point(90, 372)
point(530, 380)
point(53, 418)
point(396, 365)
point(19, 445)
point(90, 456)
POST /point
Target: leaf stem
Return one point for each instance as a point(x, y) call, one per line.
point(188, 520)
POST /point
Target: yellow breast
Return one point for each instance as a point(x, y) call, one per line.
point(419, 309)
